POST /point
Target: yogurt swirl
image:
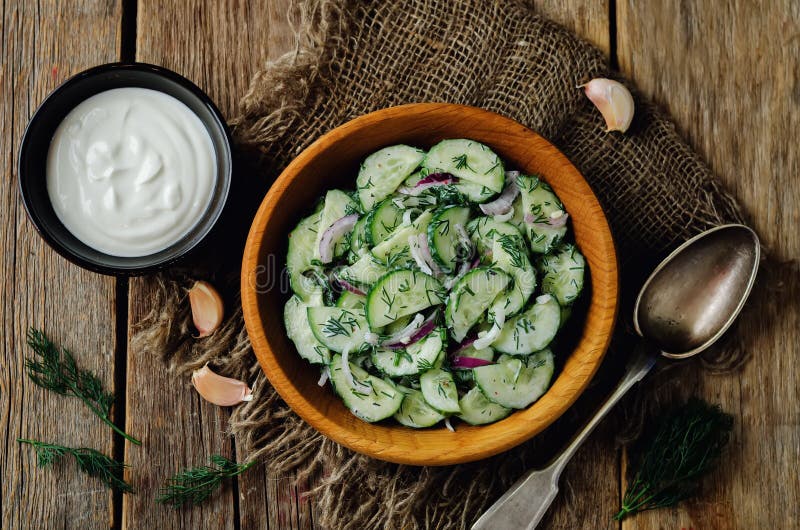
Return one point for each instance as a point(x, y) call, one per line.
point(130, 171)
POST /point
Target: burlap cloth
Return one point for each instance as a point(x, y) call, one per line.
point(352, 58)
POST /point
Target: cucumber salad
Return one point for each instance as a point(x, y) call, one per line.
point(435, 288)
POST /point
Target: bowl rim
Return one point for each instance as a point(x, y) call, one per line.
point(281, 382)
point(222, 193)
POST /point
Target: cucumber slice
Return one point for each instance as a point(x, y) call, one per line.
point(485, 230)
point(439, 391)
point(518, 218)
point(468, 160)
point(539, 201)
point(295, 318)
point(382, 221)
point(364, 272)
point(443, 239)
point(415, 411)
point(381, 400)
point(383, 171)
point(350, 300)
point(337, 205)
point(485, 354)
point(400, 293)
point(511, 255)
point(358, 240)
point(471, 296)
point(338, 328)
point(474, 192)
point(395, 250)
point(563, 273)
point(477, 410)
point(497, 381)
point(413, 359)
point(300, 258)
point(532, 330)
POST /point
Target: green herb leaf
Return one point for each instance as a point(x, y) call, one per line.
point(194, 485)
point(90, 461)
point(671, 459)
point(56, 370)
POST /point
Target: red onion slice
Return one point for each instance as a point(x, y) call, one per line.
point(412, 333)
point(421, 253)
point(468, 362)
point(502, 204)
point(333, 234)
point(434, 179)
point(466, 343)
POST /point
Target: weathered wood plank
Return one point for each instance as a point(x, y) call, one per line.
point(43, 44)
point(218, 45)
point(727, 72)
point(588, 18)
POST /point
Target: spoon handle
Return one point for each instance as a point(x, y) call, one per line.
point(526, 502)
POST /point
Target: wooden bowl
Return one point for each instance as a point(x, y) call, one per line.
point(332, 161)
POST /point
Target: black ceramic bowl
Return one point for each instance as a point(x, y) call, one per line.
point(36, 142)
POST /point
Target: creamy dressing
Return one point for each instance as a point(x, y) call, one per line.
point(130, 171)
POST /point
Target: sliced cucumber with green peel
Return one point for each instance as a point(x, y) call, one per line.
point(471, 296)
point(300, 257)
point(400, 293)
point(444, 241)
point(468, 160)
point(511, 255)
point(563, 273)
point(350, 300)
point(477, 410)
point(364, 272)
point(439, 390)
point(395, 250)
point(295, 318)
point(413, 359)
point(415, 411)
point(518, 218)
point(337, 205)
point(382, 221)
point(338, 329)
point(485, 230)
point(384, 171)
point(358, 239)
point(501, 383)
point(540, 204)
point(370, 398)
point(531, 330)
point(476, 193)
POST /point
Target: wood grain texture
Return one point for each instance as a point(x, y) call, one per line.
point(338, 153)
point(728, 74)
point(42, 45)
point(588, 18)
point(217, 45)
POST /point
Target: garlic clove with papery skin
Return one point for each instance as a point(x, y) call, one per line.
point(220, 390)
point(207, 308)
point(613, 100)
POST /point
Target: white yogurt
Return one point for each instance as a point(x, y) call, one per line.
point(130, 171)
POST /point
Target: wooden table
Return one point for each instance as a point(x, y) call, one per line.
point(727, 71)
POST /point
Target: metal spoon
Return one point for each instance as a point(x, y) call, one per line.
point(688, 302)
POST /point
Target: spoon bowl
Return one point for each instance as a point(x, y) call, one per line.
point(697, 292)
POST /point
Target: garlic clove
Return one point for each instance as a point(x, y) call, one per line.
point(207, 308)
point(220, 390)
point(613, 100)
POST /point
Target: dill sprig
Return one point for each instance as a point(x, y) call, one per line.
point(56, 370)
point(671, 460)
point(196, 484)
point(92, 462)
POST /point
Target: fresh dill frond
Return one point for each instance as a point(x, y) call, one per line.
point(196, 484)
point(92, 462)
point(55, 369)
point(670, 460)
